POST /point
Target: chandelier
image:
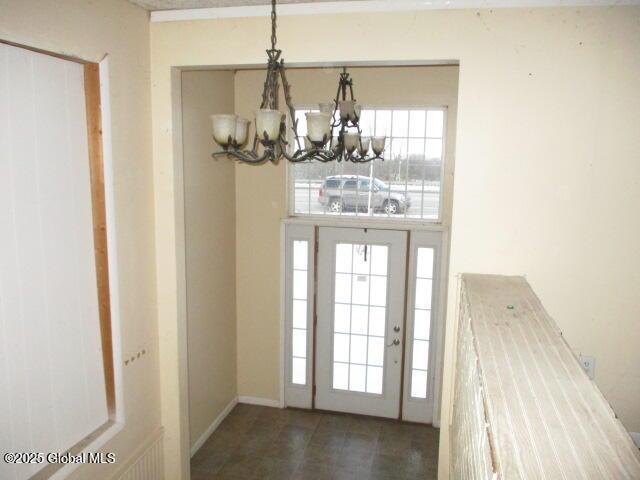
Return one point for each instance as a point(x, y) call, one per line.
point(333, 132)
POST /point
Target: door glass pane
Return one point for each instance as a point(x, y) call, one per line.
point(359, 349)
point(299, 314)
point(374, 380)
point(360, 289)
point(420, 354)
point(361, 259)
point(422, 323)
point(343, 257)
point(343, 288)
point(299, 311)
point(341, 376)
point(357, 377)
point(300, 284)
point(377, 321)
point(419, 384)
point(341, 318)
point(376, 351)
point(299, 340)
point(300, 254)
point(299, 371)
point(340, 347)
point(423, 293)
point(360, 317)
point(378, 260)
point(379, 291)
point(425, 263)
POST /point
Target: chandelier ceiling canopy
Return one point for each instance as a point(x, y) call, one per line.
point(333, 132)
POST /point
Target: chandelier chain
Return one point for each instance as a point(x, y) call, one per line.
point(273, 25)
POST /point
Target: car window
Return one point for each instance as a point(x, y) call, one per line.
point(349, 184)
point(380, 184)
point(333, 183)
point(364, 184)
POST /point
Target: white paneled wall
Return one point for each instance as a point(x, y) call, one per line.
point(472, 457)
point(148, 464)
point(523, 406)
point(52, 391)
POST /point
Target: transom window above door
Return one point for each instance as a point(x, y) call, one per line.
point(406, 185)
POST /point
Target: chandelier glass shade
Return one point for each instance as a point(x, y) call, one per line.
point(333, 132)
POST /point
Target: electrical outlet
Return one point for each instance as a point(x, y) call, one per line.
point(589, 365)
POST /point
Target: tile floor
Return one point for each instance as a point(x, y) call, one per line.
point(269, 443)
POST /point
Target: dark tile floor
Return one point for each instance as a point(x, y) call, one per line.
point(269, 443)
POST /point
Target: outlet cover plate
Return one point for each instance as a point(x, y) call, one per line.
point(589, 365)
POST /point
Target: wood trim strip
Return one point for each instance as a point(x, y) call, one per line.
point(94, 137)
point(404, 324)
point(316, 244)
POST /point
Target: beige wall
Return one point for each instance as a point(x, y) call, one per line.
point(91, 30)
point(261, 196)
point(209, 191)
point(546, 159)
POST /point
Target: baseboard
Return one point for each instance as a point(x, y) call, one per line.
point(265, 402)
point(211, 428)
point(636, 438)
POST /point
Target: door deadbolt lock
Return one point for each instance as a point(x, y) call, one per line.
point(396, 328)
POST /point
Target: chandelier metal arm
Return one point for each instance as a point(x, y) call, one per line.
point(246, 156)
point(315, 154)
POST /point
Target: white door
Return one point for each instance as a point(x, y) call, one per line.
point(360, 309)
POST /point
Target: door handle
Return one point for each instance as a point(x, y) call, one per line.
point(396, 328)
point(394, 343)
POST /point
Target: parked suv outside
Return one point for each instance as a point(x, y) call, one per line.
point(342, 192)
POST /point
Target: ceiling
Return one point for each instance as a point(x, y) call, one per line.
point(185, 4)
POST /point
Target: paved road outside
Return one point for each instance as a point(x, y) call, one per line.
point(307, 196)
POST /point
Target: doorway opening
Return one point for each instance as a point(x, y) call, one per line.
point(234, 246)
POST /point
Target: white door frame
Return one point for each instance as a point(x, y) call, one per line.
point(440, 292)
point(417, 409)
point(297, 395)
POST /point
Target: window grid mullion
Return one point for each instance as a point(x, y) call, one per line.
point(424, 162)
point(353, 248)
point(406, 178)
point(366, 370)
point(390, 169)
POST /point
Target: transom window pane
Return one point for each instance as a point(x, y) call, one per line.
point(299, 312)
point(406, 185)
point(359, 317)
point(422, 323)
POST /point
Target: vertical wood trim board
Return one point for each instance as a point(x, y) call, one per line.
point(522, 400)
point(94, 136)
